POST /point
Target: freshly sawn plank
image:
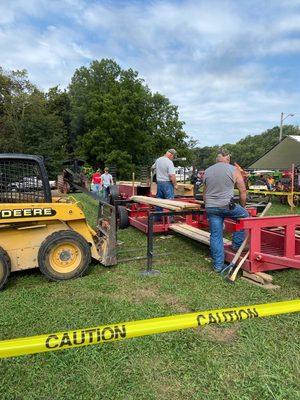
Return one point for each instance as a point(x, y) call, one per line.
point(194, 233)
point(165, 203)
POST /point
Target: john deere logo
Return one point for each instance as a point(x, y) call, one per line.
point(27, 213)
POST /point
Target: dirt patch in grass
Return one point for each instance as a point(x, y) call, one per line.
point(134, 295)
point(152, 293)
point(144, 294)
point(173, 302)
point(220, 335)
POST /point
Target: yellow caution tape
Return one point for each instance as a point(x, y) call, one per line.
point(125, 330)
point(271, 192)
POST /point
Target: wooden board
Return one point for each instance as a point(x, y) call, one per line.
point(197, 230)
point(254, 277)
point(165, 203)
point(184, 189)
point(152, 201)
point(135, 184)
point(130, 183)
point(199, 201)
point(188, 233)
point(266, 277)
point(193, 233)
point(269, 286)
point(182, 204)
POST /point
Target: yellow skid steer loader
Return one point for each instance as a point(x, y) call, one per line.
point(52, 234)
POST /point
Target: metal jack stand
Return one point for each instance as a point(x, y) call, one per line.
point(151, 216)
point(149, 271)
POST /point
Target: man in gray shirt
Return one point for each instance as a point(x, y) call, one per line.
point(219, 182)
point(165, 175)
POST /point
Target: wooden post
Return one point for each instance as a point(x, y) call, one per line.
point(133, 182)
point(293, 180)
point(291, 194)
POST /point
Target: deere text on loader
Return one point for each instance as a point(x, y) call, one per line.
point(52, 234)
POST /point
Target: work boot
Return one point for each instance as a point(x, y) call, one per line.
point(246, 248)
point(226, 270)
point(221, 270)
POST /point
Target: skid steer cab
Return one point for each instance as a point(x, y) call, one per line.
point(52, 234)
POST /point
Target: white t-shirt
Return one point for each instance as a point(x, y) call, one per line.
point(107, 180)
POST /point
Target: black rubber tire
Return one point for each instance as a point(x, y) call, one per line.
point(114, 194)
point(58, 238)
point(5, 268)
point(123, 220)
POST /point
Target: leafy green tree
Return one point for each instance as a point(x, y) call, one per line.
point(26, 124)
point(122, 161)
point(58, 103)
point(205, 156)
point(112, 109)
point(165, 127)
point(15, 93)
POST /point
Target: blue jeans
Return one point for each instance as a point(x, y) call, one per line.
point(96, 187)
point(216, 216)
point(165, 190)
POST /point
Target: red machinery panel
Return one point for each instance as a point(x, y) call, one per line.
point(273, 243)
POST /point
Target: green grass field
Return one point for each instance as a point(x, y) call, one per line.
point(257, 359)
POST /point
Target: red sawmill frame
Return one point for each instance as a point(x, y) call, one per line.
point(138, 217)
point(268, 249)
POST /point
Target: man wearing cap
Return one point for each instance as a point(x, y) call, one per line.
point(165, 175)
point(219, 182)
point(107, 181)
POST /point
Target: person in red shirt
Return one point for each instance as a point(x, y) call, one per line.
point(96, 181)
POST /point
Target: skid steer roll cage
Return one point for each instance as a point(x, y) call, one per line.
point(23, 179)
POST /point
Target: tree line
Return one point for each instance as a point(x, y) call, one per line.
point(246, 150)
point(107, 116)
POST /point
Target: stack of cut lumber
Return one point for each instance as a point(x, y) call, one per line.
point(260, 279)
point(166, 203)
point(193, 233)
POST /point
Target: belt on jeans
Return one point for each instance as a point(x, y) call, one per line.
point(224, 207)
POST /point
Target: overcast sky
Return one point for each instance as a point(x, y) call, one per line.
point(230, 66)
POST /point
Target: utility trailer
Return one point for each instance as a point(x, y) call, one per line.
point(274, 241)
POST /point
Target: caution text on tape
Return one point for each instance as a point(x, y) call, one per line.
point(120, 331)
